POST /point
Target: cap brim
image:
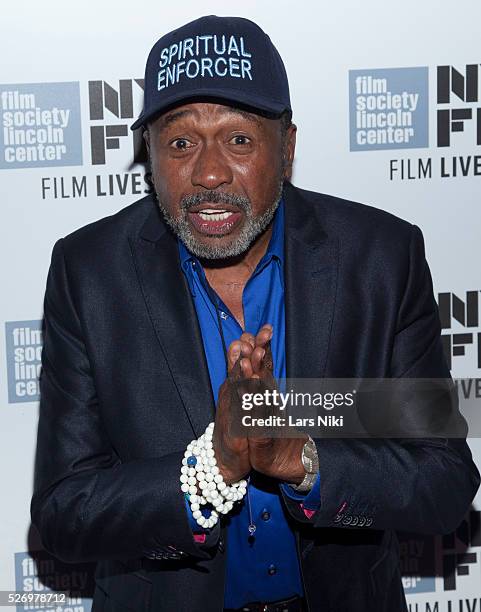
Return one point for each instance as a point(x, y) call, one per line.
point(259, 103)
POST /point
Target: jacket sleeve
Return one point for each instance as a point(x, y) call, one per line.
point(87, 505)
point(420, 485)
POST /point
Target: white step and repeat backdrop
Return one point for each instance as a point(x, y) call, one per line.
point(387, 99)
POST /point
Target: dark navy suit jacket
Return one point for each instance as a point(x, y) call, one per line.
point(125, 387)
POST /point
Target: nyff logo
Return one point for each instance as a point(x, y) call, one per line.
point(465, 88)
point(465, 313)
point(120, 104)
point(458, 558)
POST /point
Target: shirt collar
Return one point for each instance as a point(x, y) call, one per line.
point(274, 249)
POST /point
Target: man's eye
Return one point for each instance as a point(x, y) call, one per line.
point(181, 144)
point(240, 140)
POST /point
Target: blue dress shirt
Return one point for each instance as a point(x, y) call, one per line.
point(264, 567)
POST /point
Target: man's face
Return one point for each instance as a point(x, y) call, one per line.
point(218, 174)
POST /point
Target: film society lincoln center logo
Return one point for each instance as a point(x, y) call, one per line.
point(24, 353)
point(40, 125)
point(65, 587)
point(388, 108)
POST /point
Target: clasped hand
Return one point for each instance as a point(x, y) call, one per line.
point(250, 358)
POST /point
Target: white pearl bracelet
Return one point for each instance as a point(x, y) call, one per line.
point(199, 472)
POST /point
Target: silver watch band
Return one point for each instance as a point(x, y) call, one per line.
point(310, 461)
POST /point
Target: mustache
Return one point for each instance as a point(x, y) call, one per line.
point(215, 197)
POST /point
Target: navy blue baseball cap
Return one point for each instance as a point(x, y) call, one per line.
point(219, 58)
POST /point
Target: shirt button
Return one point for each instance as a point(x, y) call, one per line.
point(265, 516)
point(272, 570)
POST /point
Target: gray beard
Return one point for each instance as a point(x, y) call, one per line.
point(253, 225)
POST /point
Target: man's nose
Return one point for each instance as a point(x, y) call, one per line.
point(211, 169)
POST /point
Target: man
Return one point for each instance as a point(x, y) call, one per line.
point(152, 319)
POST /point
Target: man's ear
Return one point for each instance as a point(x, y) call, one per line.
point(146, 137)
point(289, 150)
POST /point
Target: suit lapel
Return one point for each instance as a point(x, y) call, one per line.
point(174, 319)
point(311, 269)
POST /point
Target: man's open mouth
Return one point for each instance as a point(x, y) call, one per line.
point(217, 220)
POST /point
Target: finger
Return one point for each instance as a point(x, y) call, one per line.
point(248, 337)
point(246, 349)
point(256, 359)
point(235, 373)
point(238, 358)
point(268, 361)
point(264, 335)
point(246, 367)
point(237, 348)
point(233, 353)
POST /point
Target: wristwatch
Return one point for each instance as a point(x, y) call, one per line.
point(310, 461)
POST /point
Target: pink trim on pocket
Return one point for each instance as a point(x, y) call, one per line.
point(199, 538)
